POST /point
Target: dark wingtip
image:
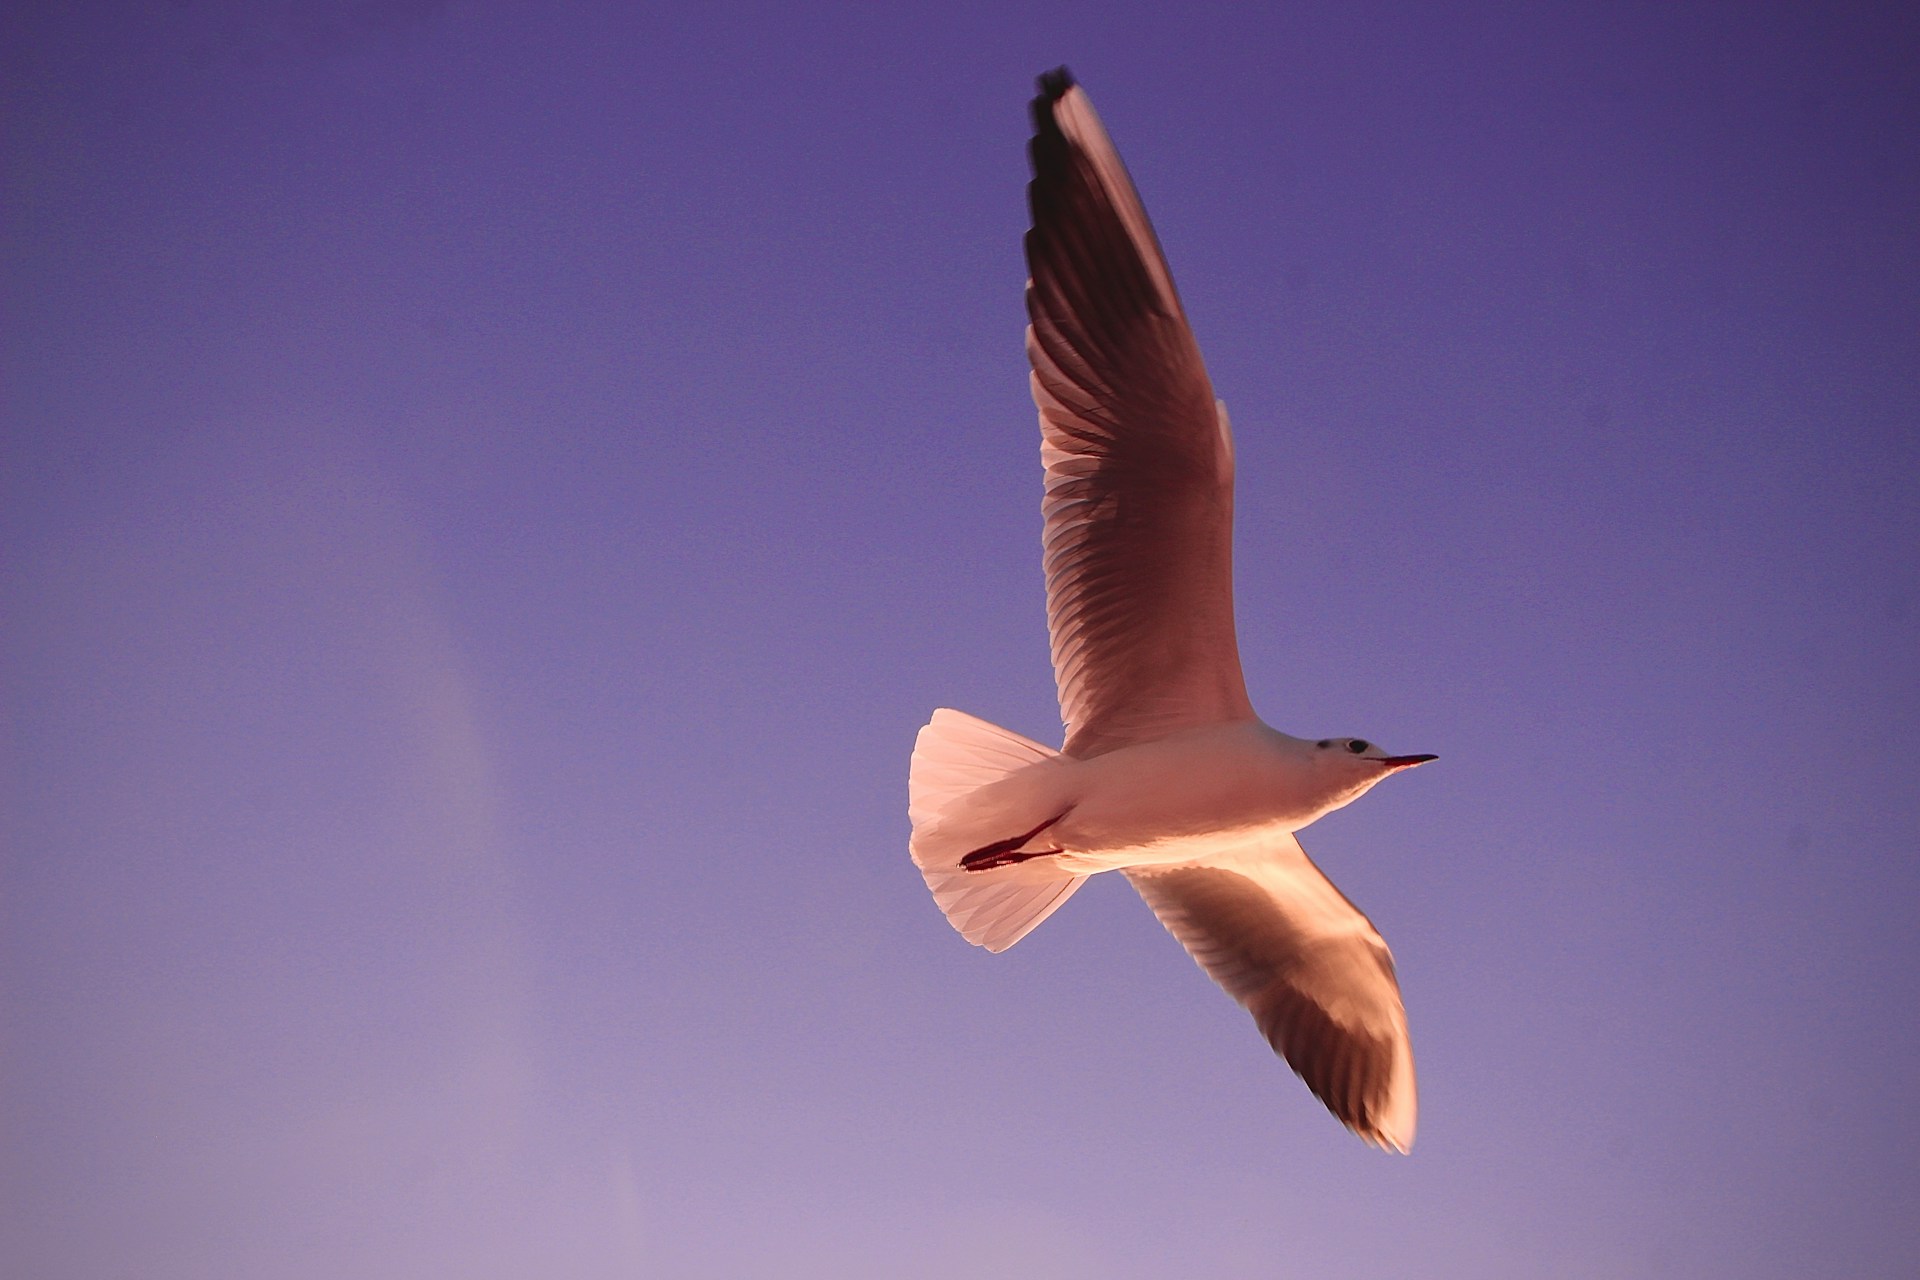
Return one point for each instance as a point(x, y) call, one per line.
point(1054, 84)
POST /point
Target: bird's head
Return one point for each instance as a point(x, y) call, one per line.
point(1355, 764)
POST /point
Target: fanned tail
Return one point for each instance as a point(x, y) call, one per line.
point(952, 800)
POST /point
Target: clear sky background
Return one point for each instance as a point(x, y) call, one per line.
point(490, 490)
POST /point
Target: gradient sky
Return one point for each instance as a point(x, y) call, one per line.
point(490, 490)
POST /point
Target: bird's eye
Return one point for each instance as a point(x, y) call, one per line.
point(1358, 746)
point(1324, 743)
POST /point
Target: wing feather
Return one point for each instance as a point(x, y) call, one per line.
point(1138, 454)
point(1272, 930)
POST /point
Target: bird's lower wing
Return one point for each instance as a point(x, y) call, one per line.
point(1317, 977)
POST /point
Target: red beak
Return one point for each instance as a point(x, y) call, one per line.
point(1405, 762)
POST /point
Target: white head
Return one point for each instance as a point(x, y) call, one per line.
point(1351, 766)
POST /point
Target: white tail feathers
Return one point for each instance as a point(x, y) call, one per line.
point(955, 758)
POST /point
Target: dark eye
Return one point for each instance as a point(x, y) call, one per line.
point(1358, 746)
point(1324, 743)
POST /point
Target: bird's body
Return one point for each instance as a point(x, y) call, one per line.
point(1166, 774)
point(1163, 801)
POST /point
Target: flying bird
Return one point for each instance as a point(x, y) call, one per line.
point(1166, 774)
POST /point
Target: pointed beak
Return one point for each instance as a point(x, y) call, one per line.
point(1405, 762)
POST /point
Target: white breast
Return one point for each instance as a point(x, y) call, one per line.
point(1183, 796)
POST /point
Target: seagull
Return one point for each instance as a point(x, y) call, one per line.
point(1166, 774)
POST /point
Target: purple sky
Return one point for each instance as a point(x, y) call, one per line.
point(489, 492)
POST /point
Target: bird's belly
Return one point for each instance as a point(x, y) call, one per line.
point(1164, 850)
point(1177, 800)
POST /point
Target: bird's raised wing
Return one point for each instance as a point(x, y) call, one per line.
point(1270, 928)
point(1138, 455)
